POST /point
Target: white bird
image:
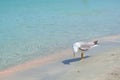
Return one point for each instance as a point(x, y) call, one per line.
point(83, 46)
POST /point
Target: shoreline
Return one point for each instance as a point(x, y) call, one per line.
point(32, 63)
point(49, 59)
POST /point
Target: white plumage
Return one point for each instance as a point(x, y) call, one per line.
point(83, 46)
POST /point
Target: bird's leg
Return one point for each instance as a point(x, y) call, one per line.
point(82, 55)
point(73, 54)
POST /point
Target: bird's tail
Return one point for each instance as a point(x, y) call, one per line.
point(95, 42)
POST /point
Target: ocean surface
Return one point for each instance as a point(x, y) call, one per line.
point(36, 28)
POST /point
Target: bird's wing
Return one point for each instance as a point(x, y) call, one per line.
point(94, 46)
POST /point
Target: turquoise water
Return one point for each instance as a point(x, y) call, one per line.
point(36, 28)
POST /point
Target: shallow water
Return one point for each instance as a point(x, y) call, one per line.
point(35, 28)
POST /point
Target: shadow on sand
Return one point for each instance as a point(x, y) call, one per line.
point(68, 61)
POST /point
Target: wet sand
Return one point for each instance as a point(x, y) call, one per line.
point(101, 65)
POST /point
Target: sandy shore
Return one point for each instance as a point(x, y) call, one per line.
point(102, 65)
